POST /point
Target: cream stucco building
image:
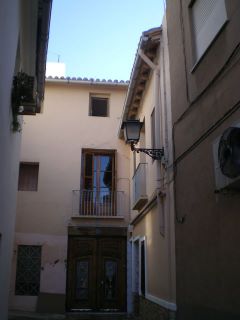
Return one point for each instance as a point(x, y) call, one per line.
point(152, 200)
point(73, 201)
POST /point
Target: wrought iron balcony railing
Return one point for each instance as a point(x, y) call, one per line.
point(100, 203)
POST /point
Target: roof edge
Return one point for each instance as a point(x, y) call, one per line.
point(87, 81)
point(148, 35)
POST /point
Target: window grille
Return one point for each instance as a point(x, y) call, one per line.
point(28, 270)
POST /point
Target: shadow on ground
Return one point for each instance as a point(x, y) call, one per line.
point(18, 315)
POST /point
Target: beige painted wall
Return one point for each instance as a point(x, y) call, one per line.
point(144, 115)
point(157, 223)
point(55, 139)
point(60, 133)
point(53, 267)
point(156, 255)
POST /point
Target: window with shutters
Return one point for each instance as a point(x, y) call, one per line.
point(208, 18)
point(99, 106)
point(28, 176)
point(98, 171)
point(28, 270)
point(98, 182)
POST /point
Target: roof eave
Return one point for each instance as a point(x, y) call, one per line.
point(139, 75)
point(44, 17)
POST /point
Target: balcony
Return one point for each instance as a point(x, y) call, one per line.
point(101, 203)
point(139, 187)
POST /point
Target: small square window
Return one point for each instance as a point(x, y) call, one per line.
point(98, 106)
point(28, 176)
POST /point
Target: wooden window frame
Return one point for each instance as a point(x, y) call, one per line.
point(28, 186)
point(95, 198)
point(98, 152)
point(98, 96)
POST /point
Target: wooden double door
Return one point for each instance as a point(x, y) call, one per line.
point(96, 277)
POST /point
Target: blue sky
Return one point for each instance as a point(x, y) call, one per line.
point(99, 38)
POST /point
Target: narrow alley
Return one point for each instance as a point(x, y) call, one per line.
point(119, 160)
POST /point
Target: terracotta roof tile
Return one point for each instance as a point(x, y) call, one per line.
point(90, 80)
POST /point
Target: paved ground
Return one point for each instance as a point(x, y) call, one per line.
point(15, 315)
point(19, 315)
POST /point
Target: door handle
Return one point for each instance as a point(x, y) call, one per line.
point(101, 283)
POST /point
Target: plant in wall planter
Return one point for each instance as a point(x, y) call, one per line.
point(23, 97)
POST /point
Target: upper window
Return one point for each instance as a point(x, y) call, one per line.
point(28, 176)
point(28, 270)
point(98, 170)
point(208, 17)
point(98, 183)
point(99, 106)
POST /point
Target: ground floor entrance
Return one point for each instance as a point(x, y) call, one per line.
point(96, 273)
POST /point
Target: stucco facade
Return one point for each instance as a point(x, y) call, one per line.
point(205, 102)
point(52, 214)
point(152, 202)
point(17, 53)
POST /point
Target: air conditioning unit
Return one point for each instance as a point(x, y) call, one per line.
point(226, 153)
point(24, 96)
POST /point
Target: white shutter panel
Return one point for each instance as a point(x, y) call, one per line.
point(208, 17)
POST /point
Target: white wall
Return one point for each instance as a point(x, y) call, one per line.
point(9, 145)
point(55, 69)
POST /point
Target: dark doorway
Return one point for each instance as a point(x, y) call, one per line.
point(96, 274)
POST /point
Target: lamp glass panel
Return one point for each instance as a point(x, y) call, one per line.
point(132, 131)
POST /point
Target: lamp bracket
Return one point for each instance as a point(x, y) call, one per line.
point(156, 154)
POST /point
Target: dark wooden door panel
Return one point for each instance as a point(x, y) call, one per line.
point(96, 273)
point(111, 273)
point(81, 274)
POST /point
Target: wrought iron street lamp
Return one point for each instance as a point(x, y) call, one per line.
point(132, 129)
